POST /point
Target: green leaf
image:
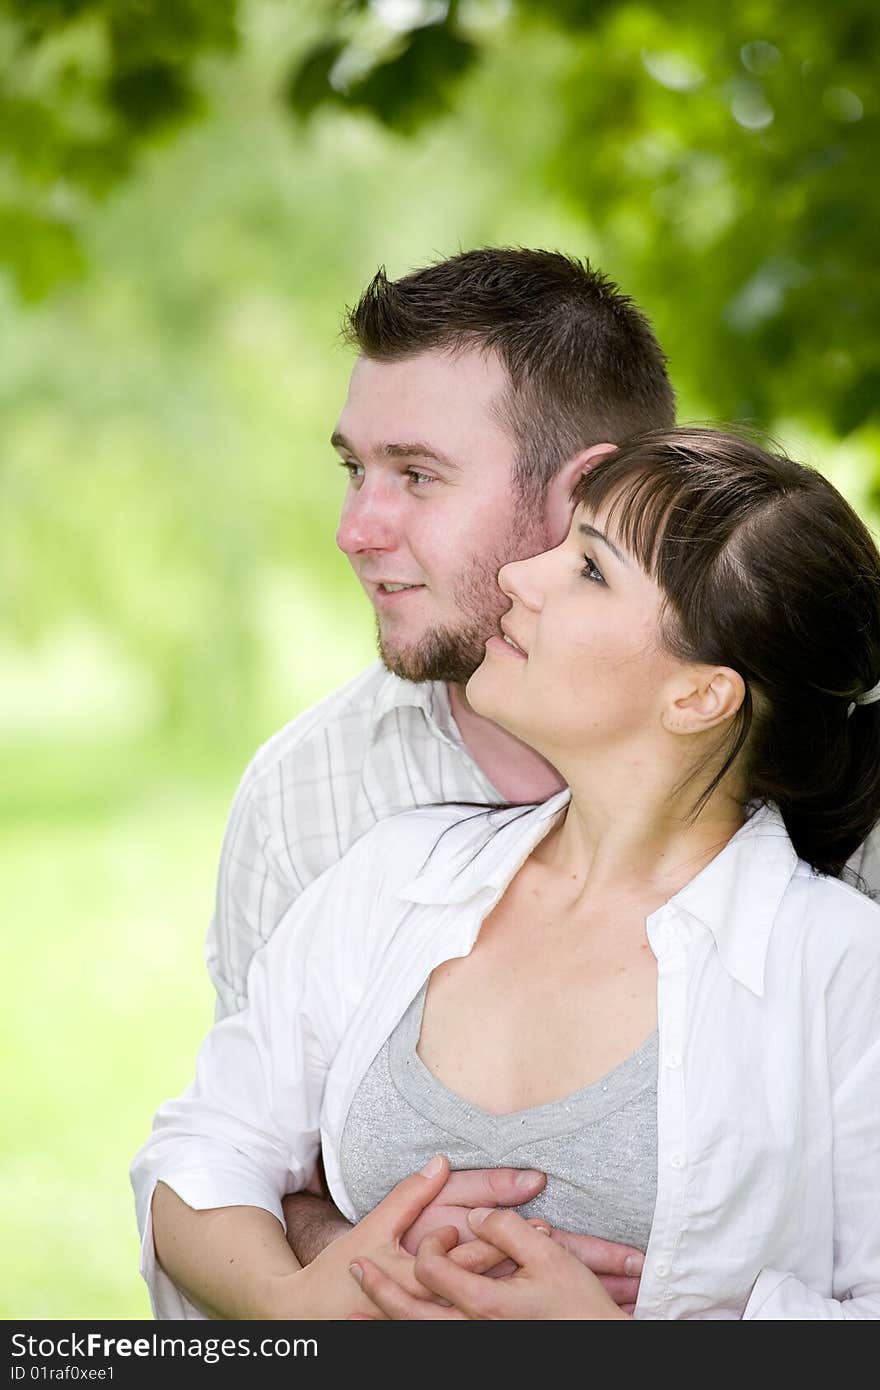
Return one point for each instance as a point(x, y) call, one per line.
point(308, 85)
point(40, 251)
point(154, 95)
point(418, 85)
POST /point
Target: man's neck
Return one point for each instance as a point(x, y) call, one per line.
point(520, 774)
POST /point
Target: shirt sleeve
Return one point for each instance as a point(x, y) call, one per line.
point(852, 1021)
point(255, 888)
point(247, 1129)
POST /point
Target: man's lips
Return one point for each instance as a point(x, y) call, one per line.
point(391, 591)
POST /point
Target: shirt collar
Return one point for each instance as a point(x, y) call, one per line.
point(738, 894)
point(481, 852)
point(431, 697)
point(735, 897)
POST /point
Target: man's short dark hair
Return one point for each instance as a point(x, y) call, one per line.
point(583, 362)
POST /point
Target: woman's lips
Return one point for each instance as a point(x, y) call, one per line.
point(505, 647)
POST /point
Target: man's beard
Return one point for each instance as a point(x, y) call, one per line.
point(452, 654)
point(442, 654)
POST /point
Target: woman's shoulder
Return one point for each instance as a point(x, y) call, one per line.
point(836, 919)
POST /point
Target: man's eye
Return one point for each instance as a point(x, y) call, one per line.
point(355, 471)
point(591, 571)
point(418, 477)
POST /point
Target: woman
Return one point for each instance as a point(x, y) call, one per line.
point(655, 987)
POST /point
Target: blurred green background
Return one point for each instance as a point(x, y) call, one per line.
point(190, 192)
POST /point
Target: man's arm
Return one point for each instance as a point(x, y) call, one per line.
point(312, 1224)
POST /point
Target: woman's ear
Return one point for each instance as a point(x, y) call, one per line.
point(711, 696)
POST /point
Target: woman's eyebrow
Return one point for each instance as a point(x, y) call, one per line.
point(586, 529)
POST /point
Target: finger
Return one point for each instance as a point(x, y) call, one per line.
point(405, 1202)
point(512, 1234)
point(394, 1301)
point(492, 1187)
point(621, 1290)
point(602, 1256)
point(474, 1294)
point(479, 1257)
point(474, 1255)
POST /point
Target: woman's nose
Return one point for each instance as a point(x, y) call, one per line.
point(519, 580)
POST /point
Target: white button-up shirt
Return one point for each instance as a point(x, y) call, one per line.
point(377, 746)
point(768, 995)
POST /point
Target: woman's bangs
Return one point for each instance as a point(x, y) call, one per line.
point(639, 505)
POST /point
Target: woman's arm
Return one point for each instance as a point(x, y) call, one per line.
point(246, 1132)
point(234, 1262)
point(230, 1262)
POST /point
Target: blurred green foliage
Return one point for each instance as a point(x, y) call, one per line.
point(215, 171)
point(727, 151)
point(190, 191)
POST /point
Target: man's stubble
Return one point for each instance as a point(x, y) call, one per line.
point(453, 653)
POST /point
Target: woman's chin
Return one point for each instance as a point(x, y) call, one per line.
point(486, 696)
point(477, 691)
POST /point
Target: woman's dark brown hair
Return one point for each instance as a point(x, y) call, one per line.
point(766, 569)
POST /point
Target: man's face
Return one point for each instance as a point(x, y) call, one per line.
point(431, 506)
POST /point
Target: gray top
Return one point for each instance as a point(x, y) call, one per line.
point(598, 1146)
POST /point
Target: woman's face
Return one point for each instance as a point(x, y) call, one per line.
point(588, 670)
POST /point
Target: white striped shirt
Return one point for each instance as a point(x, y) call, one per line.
point(377, 746)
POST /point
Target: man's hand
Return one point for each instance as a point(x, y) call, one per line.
point(467, 1189)
point(618, 1267)
point(549, 1284)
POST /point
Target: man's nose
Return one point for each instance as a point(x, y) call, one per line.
point(367, 521)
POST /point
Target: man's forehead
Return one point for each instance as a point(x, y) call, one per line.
point(429, 405)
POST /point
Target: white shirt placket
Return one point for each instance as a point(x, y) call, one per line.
point(667, 936)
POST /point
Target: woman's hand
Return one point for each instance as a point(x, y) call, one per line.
point(324, 1289)
point(549, 1284)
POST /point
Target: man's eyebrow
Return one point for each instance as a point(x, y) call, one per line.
point(414, 450)
point(586, 529)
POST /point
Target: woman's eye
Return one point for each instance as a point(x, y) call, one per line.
point(591, 571)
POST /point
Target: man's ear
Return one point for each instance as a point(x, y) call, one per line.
point(559, 507)
point(712, 696)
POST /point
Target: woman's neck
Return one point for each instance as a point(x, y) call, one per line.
point(637, 834)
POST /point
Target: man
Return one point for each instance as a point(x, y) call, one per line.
point(484, 386)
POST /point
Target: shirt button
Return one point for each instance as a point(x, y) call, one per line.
point(676, 1161)
point(661, 1270)
point(673, 1059)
